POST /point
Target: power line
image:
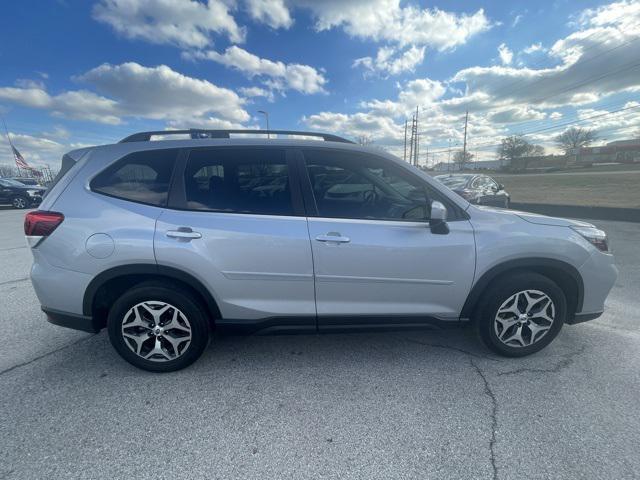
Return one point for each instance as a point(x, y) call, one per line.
point(554, 127)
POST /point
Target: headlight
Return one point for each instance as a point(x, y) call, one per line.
point(595, 236)
point(33, 193)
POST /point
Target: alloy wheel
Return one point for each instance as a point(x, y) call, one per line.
point(19, 202)
point(156, 331)
point(524, 318)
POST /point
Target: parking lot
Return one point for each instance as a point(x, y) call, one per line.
point(431, 404)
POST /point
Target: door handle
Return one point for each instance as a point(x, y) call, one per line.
point(333, 237)
point(183, 233)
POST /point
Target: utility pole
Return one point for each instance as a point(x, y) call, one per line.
point(417, 136)
point(404, 157)
point(266, 114)
point(464, 148)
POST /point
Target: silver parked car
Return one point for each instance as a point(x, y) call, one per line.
point(162, 241)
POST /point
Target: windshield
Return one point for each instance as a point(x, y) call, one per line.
point(453, 181)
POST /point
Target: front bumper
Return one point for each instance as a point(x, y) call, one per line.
point(71, 320)
point(599, 274)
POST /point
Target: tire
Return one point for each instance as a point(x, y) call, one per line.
point(180, 331)
point(19, 202)
point(506, 203)
point(518, 334)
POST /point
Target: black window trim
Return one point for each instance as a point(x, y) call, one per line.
point(177, 192)
point(121, 160)
point(455, 213)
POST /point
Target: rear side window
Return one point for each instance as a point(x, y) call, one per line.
point(141, 177)
point(238, 180)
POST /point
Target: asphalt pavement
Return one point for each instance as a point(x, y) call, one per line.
point(419, 405)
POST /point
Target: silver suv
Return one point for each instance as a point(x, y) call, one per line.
point(163, 241)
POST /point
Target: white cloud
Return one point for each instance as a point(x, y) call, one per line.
point(186, 23)
point(252, 92)
point(133, 90)
point(390, 61)
point(517, 19)
point(279, 75)
point(271, 12)
point(593, 62)
point(383, 129)
point(29, 83)
point(76, 104)
point(506, 55)
point(515, 114)
point(162, 93)
point(387, 20)
point(533, 48)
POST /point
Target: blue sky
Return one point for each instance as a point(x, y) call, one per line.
point(76, 73)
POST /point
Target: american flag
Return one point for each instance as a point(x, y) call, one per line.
point(20, 161)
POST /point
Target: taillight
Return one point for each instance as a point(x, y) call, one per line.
point(38, 225)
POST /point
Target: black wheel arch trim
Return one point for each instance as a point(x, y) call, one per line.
point(146, 269)
point(523, 264)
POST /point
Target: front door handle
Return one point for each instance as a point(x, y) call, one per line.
point(333, 237)
point(183, 233)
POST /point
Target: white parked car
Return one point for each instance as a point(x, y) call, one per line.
point(162, 241)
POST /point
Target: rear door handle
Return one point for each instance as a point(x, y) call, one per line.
point(183, 233)
point(333, 237)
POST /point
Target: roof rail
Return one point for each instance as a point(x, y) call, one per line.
point(199, 133)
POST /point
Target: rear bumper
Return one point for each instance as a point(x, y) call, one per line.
point(71, 320)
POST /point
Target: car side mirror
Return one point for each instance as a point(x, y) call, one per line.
point(438, 218)
point(500, 187)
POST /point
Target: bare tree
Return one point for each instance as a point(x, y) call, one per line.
point(365, 140)
point(518, 151)
point(575, 137)
point(461, 158)
point(7, 171)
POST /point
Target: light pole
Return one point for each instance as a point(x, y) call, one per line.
point(266, 114)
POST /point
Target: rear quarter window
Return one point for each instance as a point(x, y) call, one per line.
point(141, 177)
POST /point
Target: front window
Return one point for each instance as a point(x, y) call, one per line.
point(350, 185)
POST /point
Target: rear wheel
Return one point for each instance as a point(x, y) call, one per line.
point(19, 202)
point(158, 327)
point(521, 314)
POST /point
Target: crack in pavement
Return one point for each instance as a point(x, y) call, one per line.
point(494, 417)
point(454, 349)
point(40, 357)
point(12, 248)
point(567, 360)
point(18, 280)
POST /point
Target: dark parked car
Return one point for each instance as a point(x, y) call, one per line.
point(29, 181)
point(477, 189)
point(19, 195)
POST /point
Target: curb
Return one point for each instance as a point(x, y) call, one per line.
point(579, 211)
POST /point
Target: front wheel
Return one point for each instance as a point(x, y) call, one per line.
point(521, 314)
point(19, 202)
point(158, 327)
